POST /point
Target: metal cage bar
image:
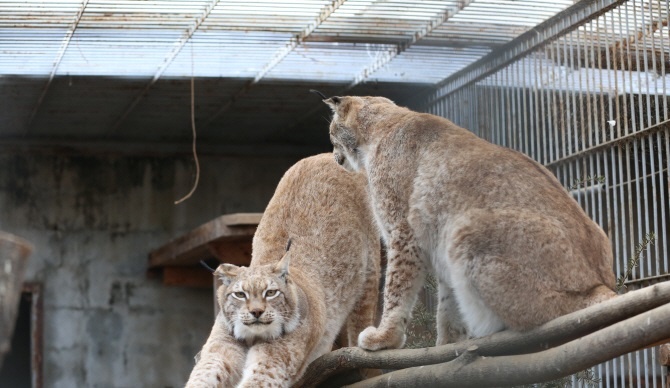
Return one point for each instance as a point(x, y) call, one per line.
point(588, 97)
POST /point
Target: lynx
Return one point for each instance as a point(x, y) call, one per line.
point(499, 230)
point(287, 308)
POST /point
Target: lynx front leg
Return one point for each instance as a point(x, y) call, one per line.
point(450, 326)
point(276, 364)
point(405, 273)
point(220, 361)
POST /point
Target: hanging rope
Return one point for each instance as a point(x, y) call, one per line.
point(195, 152)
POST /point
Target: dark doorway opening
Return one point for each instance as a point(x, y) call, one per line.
point(22, 365)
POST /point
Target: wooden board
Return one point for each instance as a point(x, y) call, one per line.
point(233, 232)
point(197, 277)
point(226, 238)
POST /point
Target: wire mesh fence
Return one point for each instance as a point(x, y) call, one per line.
point(590, 102)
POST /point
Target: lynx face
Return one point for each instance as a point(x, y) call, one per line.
point(344, 139)
point(258, 304)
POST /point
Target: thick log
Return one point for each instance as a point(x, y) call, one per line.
point(473, 370)
point(14, 254)
point(556, 332)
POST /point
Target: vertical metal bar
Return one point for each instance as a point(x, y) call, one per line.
point(656, 69)
point(665, 48)
point(638, 368)
point(636, 43)
point(508, 109)
point(592, 123)
point(541, 156)
point(526, 110)
point(555, 125)
point(515, 128)
point(617, 220)
point(500, 108)
point(637, 161)
point(495, 108)
point(628, 65)
point(569, 94)
point(561, 105)
point(664, 200)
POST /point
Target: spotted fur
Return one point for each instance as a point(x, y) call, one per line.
point(287, 308)
point(509, 246)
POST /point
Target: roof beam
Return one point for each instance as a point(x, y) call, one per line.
point(178, 46)
point(279, 56)
point(59, 58)
point(387, 57)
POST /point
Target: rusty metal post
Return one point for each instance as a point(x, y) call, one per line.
point(14, 253)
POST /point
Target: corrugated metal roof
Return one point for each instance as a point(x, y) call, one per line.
point(244, 38)
point(114, 70)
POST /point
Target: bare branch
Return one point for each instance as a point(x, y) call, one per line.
point(551, 334)
point(620, 338)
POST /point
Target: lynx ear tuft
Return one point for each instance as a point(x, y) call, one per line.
point(226, 273)
point(318, 93)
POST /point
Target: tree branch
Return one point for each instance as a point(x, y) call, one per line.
point(551, 334)
point(564, 360)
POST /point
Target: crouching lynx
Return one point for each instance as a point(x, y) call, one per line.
point(279, 315)
point(500, 231)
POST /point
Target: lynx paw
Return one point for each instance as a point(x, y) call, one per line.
point(373, 338)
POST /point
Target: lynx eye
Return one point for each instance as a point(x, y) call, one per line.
point(271, 293)
point(239, 295)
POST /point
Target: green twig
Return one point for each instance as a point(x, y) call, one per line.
point(634, 261)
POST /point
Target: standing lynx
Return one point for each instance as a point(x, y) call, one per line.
point(279, 315)
point(499, 230)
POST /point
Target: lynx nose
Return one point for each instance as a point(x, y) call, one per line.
point(257, 312)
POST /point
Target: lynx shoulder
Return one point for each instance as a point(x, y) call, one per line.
point(508, 244)
point(290, 304)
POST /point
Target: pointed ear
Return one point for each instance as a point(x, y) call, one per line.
point(333, 102)
point(282, 267)
point(226, 273)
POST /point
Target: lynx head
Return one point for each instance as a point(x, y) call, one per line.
point(351, 125)
point(258, 303)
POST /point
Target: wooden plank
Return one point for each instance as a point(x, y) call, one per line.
point(188, 249)
point(187, 277)
point(236, 252)
point(242, 219)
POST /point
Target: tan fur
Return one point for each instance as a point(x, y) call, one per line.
point(500, 231)
point(327, 281)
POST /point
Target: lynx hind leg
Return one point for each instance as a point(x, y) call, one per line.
point(450, 326)
point(365, 310)
point(220, 362)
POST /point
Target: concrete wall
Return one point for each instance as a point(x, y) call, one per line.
point(93, 219)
